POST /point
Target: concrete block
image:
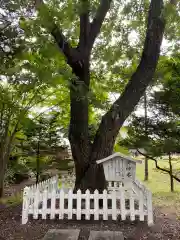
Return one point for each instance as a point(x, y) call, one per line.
point(105, 235)
point(62, 234)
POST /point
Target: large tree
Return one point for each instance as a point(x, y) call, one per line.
point(78, 54)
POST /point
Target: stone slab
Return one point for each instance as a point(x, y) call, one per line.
point(105, 235)
point(62, 234)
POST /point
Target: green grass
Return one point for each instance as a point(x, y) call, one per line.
point(64, 165)
point(12, 200)
point(159, 184)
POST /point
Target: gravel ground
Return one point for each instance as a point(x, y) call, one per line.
point(166, 226)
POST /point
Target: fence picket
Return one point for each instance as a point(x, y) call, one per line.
point(44, 206)
point(25, 205)
point(114, 206)
point(61, 204)
point(53, 204)
point(78, 214)
point(87, 205)
point(141, 206)
point(105, 206)
point(122, 202)
point(96, 205)
point(132, 214)
point(36, 203)
point(70, 203)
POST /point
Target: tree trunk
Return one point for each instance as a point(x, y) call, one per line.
point(146, 172)
point(171, 174)
point(88, 174)
point(37, 163)
point(3, 165)
point(172, 183)
point(2, 173)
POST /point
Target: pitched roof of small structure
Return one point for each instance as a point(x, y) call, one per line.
point(117, 154)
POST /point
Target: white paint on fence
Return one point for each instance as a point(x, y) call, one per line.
point(44, 207)
point(47, 199)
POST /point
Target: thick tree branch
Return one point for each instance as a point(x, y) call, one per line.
point(71, 54)
point(157, 166)
point(98, 21)
point(84, 24)
point(124, 105)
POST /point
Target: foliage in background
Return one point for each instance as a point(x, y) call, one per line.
point(163, 123)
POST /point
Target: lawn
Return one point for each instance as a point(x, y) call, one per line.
point(159, 184)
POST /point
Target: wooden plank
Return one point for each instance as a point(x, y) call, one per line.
point(53, 203)
point(78, 214)
point(141, 206)
point(44, 207)
point(132, 214)
point(61, 204)
point(36, 203)
point(122, 203)
point(87, 205)
point(114, 206)
point(25, 205)
point(96, 205)
point(70, 203)
point(105, 206)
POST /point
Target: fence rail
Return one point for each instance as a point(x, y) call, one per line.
point(46, 199)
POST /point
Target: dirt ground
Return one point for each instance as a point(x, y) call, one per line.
point(166, 226)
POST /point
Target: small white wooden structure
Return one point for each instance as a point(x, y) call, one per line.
point(119, 168)
point(55, 196)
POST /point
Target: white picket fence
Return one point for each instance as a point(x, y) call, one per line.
point(47, 199)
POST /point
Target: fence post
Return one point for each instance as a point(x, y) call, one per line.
point(25, 207)
point(149, 208)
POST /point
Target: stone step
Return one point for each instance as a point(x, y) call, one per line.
point(74, 234)
point(62, 234)
point(105, 235)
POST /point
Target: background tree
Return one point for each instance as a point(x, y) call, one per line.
point(43, 139)
point(163, 136)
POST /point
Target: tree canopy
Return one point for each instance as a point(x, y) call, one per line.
point(75, 55)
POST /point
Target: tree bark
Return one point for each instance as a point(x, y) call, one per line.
point(3, 166)
point(146, 172)
point(124, 105)
point(37, 163)
point(171, 174)
point(2, 174)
